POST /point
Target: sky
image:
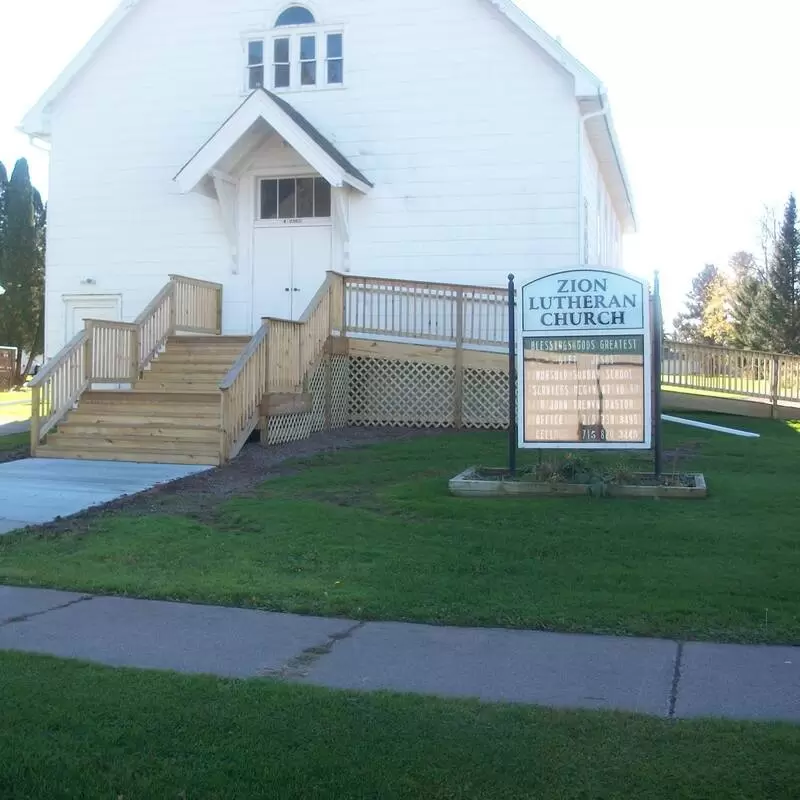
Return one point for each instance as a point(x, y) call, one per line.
point(703, 92)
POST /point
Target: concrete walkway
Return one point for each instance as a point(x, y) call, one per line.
point(657, 677)
point(10, 428)
point(37, 490)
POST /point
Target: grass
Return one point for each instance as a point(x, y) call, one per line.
point(72, 730)
point(14, 441)
point(15, 407)
point(374, 534)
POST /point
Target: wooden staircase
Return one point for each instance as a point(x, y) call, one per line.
point(170, 415)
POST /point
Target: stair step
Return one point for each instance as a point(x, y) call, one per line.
point(115, 430)
point(157, 386)
point(139, 457)
point(147, 397)
point(115, 417)
point(183, 368)
point(212, 340)
point(130, 443)
point(221, 360)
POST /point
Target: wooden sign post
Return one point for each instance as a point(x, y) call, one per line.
point(585, 361)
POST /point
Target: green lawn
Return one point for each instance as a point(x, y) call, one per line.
point(373, 534)
point(70, 730)
point(14, 441)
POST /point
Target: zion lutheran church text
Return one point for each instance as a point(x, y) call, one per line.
point(583, 303)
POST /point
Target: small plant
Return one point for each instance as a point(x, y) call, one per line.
point(622, 473)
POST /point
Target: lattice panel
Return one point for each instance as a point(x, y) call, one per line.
point(294, 427)
point(485, 399)
point(401, 393)
point(340, 392)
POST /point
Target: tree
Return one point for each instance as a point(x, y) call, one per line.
point(747, 299)
point(780, 316)
point(716, 326)
point(689, 323)
point(22, 221)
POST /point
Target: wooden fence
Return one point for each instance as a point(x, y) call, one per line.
point(768, 377)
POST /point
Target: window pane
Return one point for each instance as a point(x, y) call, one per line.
point(286, 199)
point(281, 51)
point(308, 73)
point(308, 48)
point(255, 53)
point(335, 45)
point(305, 197)
point(336, 71)
point(282, 76)
point(256, 77)
point(322, 198)
point(269, 199)
point(295, 15)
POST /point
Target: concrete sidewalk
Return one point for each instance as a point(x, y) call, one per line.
point(37, 490)
point(11, 428)
point(662, 678)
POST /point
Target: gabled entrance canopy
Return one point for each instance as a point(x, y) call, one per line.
point(242, 126)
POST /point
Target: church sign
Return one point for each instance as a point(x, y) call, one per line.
point(584, 352)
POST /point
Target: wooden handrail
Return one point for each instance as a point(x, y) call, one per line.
point(432, 284)
point(244, 358)
point(195, 282)
point(763, 375)
point(437, 312)
point(155, 303)
point(52, 365)
point(242, 392)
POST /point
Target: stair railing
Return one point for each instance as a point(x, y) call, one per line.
point(243, 390)
point(277, 359)
point(107, 352)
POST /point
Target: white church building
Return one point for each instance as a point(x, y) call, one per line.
point(260, 144)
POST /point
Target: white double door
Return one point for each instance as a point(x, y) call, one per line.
point(290, 262)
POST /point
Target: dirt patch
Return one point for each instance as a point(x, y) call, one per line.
point(14, 455)
point(686, 450)
point(198, 496)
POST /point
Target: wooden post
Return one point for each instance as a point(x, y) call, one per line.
point(328, 387)
point(135, 354)
point(458, 395)
point(173, 307)
point(224, 417)
point(88, 353)
point(35, 419)
point(775, 387)
point(219, 311)
point(267, 388)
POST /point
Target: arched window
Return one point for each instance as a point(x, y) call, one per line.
point(295, 15)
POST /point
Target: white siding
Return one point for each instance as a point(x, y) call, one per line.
point(604, 233)
point(468, 132)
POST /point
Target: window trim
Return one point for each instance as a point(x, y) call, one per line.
point(296, 222)
point(294, 33)
point(289, 6)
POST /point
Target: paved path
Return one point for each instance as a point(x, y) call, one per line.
point(37, 490)
point(10, 428)
point(650, 676)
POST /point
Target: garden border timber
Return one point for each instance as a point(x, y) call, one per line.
point(469, 485)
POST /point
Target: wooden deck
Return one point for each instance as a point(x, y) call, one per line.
point(368, 351)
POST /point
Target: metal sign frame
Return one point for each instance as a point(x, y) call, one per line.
point(583, 333)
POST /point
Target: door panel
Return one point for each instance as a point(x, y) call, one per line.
point(81, 308)
point(289, 266)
